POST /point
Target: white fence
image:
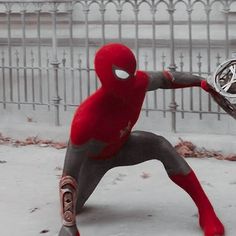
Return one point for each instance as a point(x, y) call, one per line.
point(47, 49)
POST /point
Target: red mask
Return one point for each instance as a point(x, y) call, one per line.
point(115, 65)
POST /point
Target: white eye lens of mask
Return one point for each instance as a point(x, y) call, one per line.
point(121, 74)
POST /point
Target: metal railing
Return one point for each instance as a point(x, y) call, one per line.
point(47, 48)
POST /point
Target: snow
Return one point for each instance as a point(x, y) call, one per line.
point(129, 201)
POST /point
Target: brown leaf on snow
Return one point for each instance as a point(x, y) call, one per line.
point(29, 119)
point(231, 157)
point(188, 149)
point(187, 144)
point(59, 145)
point(47, 141)
point(184, 151)
point(145, 175)
point(34, 140)
point(31, 140)
point(4, 140)
point(184, 148)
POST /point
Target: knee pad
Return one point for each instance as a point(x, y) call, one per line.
point(68, 195)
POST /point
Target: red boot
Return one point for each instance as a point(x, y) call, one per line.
point(208, 220)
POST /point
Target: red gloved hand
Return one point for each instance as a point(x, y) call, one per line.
point(223, 102)
point(207, 87)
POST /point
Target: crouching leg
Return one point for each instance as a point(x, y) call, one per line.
point(68, 198)
point(143, 146)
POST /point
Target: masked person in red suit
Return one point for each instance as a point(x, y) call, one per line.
point(101, 136)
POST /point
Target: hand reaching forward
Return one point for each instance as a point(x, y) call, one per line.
point(220, 99)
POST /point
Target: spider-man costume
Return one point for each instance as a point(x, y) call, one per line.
point(101, 137)
point(117, 103)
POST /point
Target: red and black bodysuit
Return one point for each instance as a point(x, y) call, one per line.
point(102, 138)
point(109, 115)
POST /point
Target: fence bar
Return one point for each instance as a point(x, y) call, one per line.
point(39, 55)
point(8, 14)
point(18, 79)
point(86, 12)
point(154, 56)
point(182, 90)
point(96, 78)
point(226, 12)
point(3, 81)
point(136, 44)
point(146, 99)
point(80, 79)
point(218, 57)
point(172, 66)
point(70, 22)
point(199, 57)
point(32, 78)
point(189, 10)
point(24, 103)
point(23, 11)
point(119, 11)
point(48, 81)
point(64, 79)
point(55, 63)
point(164, 91)
point(102, 11)
point(208, 11)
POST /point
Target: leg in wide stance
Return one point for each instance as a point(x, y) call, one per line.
point(68, 197)
point(68, 188)
point(80, 177)
point(142, 146)
point(208, 220)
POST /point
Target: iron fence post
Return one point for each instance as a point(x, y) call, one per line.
point(226, 11)
point(153, 10)
point(119, 11)
point(23, 11)
point(190, 10)
point(3, 80)
point(86, 13)
point(69, 8)
point(102, 10)
point(136, 42)
point(208, 12)
point(172, 67)
point(9, 43)
point(55, 64)
point(38, 9)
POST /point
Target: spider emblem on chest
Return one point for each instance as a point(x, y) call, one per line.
point(126, 130)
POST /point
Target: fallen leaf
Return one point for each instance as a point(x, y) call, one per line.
point(145, 175)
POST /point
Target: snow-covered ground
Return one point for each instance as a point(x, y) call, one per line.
point(124, 204)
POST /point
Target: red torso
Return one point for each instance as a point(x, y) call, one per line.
point(109, 119)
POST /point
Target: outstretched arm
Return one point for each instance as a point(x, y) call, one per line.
point(173, 80)
point(170, 80)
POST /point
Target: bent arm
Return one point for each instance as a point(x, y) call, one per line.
point(172, 80)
